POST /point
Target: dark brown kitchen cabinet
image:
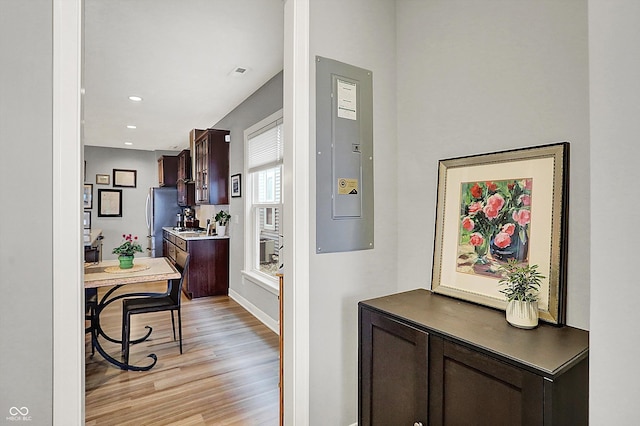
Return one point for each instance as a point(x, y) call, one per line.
point(208, 273)
point(185, 186)
point(186, 193)
point(184, 165)
point(167, 170)
point(193, 135)
point(212, 167)
point(432, 360)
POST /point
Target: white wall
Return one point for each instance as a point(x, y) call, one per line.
point(477, 77)
point(360, 33)
point(614, 40)
point(102, 160)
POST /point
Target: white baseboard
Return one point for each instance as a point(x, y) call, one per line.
point(255, 311)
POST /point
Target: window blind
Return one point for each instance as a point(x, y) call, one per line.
point(265, 147)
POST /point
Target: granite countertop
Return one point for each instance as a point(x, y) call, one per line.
point(193, 235)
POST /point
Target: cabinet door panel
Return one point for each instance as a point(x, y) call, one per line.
point(167, 170)
point(171, 252)
point(212, 167)
point(480, 390)
point(393, 359)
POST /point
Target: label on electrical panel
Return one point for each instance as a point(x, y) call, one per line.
point(347, 186)
point(347, 100)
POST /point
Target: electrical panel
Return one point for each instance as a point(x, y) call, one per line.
point(344, 157)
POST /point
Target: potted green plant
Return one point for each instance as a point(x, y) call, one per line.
point(222, 218)
point(127, 250)
point(521, 287)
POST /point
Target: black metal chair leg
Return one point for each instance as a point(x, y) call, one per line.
point(123, 331)
point(93, 327)
point(173, 325)
point(125, 338)
point(179, 328)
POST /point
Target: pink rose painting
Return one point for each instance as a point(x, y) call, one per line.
point(495, 221)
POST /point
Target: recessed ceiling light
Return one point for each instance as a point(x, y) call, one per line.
point(131, 126)
point(128, 143)
point(135, 98)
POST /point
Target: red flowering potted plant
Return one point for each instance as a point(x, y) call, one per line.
point(126, 251)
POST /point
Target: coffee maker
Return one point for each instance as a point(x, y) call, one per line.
point(190, 221)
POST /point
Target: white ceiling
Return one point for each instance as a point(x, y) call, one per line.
point(178, 55)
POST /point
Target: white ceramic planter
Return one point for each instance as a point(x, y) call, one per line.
point(522, 314)
point(221, 229)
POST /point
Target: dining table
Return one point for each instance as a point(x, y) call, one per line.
point(108, 273)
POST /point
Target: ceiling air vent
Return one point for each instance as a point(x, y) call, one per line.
point(238, 71)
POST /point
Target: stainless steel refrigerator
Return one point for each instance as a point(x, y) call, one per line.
point(162, 210)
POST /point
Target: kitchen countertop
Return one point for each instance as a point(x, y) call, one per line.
point(91, 238)
point(193, 235)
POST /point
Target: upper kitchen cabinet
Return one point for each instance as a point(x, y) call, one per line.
point(167, 170)
point(193, 135)
point(212, 167)
point(185, 185)
point(184, 165)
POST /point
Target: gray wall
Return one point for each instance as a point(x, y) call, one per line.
point(614, 40)
point(485, 77)
point(472, 77)
point(102, 161)
point(26, 270)
point(261, 104)
point(25, 113)
point(360, 33)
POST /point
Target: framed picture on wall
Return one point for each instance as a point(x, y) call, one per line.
point(124, 178)
point(236, 185)
point(500, 207)
point(86, 221)
point(103, 179)
point(109, 203)
point(87, 196)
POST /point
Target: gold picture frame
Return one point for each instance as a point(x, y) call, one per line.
point(103, 179)
point(500, 206)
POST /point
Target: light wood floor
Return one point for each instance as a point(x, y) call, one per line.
point(227, 374)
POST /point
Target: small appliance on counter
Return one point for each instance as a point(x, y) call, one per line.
point(190, 221)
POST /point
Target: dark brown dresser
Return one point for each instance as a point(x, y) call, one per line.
point(427, 359)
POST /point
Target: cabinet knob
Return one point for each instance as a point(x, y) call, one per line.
point(417, 424)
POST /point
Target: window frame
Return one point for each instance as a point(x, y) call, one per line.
point(251, 265)
point(269, 213)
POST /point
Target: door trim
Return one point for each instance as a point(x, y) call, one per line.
point(68, 323)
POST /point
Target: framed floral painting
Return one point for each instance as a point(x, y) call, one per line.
point(492, 208)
